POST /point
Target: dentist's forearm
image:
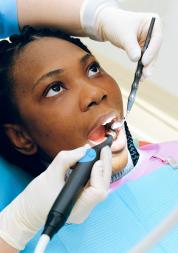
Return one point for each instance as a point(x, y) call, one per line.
point(61, 14)
point(6, 248)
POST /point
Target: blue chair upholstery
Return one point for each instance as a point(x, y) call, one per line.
point(12, 181)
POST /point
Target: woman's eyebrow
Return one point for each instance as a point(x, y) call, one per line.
point(85, 58)
point(55, 72)
point(49, 74)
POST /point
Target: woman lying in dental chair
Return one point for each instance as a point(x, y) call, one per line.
point(55, 96)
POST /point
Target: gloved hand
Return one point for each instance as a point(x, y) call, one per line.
point(21, 219)
point(103, 20)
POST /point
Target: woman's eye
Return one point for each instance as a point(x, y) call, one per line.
point(93, 69)
point(54, 89)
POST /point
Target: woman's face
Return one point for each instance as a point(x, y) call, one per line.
point(64, 98)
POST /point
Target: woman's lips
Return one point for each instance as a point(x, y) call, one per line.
point(99, 135)
point(102, 127)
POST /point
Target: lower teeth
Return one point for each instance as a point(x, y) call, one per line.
point(113, 134)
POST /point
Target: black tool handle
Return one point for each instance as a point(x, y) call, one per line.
point(66, 199)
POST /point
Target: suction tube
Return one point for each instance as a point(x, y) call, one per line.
point(66, 199)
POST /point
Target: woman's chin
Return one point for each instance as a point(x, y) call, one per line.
point(119, 151)
point(118, 148)
point(119, 160)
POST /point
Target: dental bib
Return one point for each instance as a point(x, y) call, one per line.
point(136, 204)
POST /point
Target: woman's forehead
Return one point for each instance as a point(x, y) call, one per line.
point(49, 47)
point(43, 55)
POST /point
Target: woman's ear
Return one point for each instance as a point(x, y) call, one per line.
point(20, 139)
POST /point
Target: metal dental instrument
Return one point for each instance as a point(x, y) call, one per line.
point(137, 77)
point(139, 69)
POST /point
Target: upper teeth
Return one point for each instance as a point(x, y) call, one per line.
point(117, 125)
point(108, 120)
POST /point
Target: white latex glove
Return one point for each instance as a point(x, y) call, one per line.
point(103, 20)
point(23, 217)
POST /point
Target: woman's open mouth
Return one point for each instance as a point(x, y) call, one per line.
point(104, 128)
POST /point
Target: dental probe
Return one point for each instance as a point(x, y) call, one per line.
point(138, 72)
point(66, 199)
point(137, 77)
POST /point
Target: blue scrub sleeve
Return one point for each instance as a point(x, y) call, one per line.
point(8, 18)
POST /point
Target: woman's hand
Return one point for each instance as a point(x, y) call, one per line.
point(21, 219)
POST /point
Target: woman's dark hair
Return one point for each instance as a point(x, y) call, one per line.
point(9, 51)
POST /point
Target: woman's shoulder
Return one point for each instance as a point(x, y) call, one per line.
point(156, 154)
point(152, 158)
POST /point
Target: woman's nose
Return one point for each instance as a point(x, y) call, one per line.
point(91, 96)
